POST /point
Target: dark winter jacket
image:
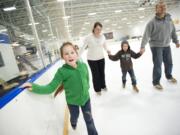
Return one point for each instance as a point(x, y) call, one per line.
point(125, 58)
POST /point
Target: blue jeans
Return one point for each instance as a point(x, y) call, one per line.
point(159, 55)
point(132, 75)
point(86, 110)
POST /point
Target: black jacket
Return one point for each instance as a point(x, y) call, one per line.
point(125, 58)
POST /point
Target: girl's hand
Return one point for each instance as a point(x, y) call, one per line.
point(27, 85)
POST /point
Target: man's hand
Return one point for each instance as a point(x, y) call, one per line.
point(177, 45)
point(142, 50)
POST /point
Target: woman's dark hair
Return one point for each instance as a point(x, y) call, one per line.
point(65, 44)
point(97, 24)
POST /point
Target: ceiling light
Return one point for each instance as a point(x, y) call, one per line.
point(118, 11)
point(141, 17)
point(67, 26)
point(92, 14)
point(86, 23)
point(44, 30)
point(140, 9)
point(106, 20)
point(123, 19)
point(34, 23)
point(9, 8)
point(21, 35)
point(114, 24)
point(66, 17)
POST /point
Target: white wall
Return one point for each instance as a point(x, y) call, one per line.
point(10, 69)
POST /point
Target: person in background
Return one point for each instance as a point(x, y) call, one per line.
point(159, 32)
point(75, 79)
point(124, 55)
point(95, 44)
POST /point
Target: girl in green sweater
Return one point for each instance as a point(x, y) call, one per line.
point(75, 79)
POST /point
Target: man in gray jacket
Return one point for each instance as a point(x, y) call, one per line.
point(159, 32)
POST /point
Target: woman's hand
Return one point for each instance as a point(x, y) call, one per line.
point(27, 86)
point(108, 52)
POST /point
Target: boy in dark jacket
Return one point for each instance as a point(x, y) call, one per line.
point(125, 55)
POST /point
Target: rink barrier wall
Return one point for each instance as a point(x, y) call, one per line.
point(14, 92)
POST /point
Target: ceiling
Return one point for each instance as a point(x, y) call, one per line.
point(58, 19)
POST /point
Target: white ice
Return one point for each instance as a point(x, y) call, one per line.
point(123, 112)
point(116, 112)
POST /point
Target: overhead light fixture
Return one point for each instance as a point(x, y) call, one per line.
point(92, 14)
point(67, 26)
point(114, 24)
point(22, 35)
point(123, 19)
point(86, 23)
point(118, 11)
point(141, 8)
point(9, 8)
point(45, 30)
point(34, 23)
point(66, 17)
point(107, 20)
point(1, 40)
point(50, 34)
point(141, 17)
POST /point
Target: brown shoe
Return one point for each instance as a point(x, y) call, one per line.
point(172, 80)
point(135, 88)
point(158, 86)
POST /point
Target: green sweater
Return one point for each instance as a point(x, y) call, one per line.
point(75, 81)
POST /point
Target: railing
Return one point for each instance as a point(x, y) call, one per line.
point(15, 91)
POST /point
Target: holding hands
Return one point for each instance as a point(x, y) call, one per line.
point(177, 45)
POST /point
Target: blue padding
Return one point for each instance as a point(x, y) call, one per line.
point(14, 92)
point(4, 38)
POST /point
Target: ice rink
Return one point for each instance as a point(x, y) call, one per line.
point(116, 112)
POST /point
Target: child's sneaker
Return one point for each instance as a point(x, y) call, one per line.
point(73, 126)
point(135, 88)
point(173, 80)
point(158, 86)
